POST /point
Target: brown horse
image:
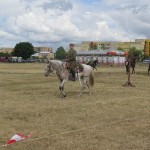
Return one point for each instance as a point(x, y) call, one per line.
point(133, 63)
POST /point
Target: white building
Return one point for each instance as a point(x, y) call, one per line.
point(44, 54)
point(103, 56)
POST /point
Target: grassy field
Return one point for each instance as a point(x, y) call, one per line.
point(112, 118)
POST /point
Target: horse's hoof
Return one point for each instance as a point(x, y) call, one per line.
point(64, 95)
point(79, 95)
point(90, 93)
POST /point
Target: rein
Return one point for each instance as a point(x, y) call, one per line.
point(59, 70)
point(59, 66)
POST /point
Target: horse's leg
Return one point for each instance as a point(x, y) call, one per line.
point(132, 70)
point(88, 88)
point(83, 87)
point(127, 70)
point(61, 88)
point(95, 68)
point(86, 83)
point(80, 80)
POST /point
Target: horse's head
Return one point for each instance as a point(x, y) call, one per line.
point(48, 69)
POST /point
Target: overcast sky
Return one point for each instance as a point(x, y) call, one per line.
point(56, 23)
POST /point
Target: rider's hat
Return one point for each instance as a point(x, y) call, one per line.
point(71, 44)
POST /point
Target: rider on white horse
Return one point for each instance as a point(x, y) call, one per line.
point(86, 77)
point(72, 64)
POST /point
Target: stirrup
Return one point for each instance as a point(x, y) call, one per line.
point(71, 78)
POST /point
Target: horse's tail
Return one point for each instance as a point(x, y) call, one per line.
point(91, 80)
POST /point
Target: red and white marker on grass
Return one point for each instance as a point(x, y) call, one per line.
point(16, 138)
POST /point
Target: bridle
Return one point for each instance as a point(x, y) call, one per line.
point(58, 71)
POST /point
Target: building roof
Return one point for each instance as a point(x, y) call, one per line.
point(44, 52)
point(35, 55)
point(96, 52)
point(99, 52)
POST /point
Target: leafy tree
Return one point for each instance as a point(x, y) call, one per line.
point(92, 46)
point(23, 49)
point(103, 47)
point(136, 52)
point(145, 56)
point(120, 49)
point(2, 54)
point(61, 53)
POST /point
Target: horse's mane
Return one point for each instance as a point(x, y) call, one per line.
point(57, 61)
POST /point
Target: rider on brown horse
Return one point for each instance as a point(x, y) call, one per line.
point(132, 62)
point(71, 59)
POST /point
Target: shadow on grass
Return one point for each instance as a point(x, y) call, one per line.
point(144, 73)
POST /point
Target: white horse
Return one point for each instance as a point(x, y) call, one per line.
point(86, 77)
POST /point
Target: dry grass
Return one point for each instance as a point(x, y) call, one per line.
point(113, 118)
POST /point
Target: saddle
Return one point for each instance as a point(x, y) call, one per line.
point(77, 68)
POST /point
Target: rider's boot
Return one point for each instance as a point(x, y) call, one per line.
point(73, 75)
